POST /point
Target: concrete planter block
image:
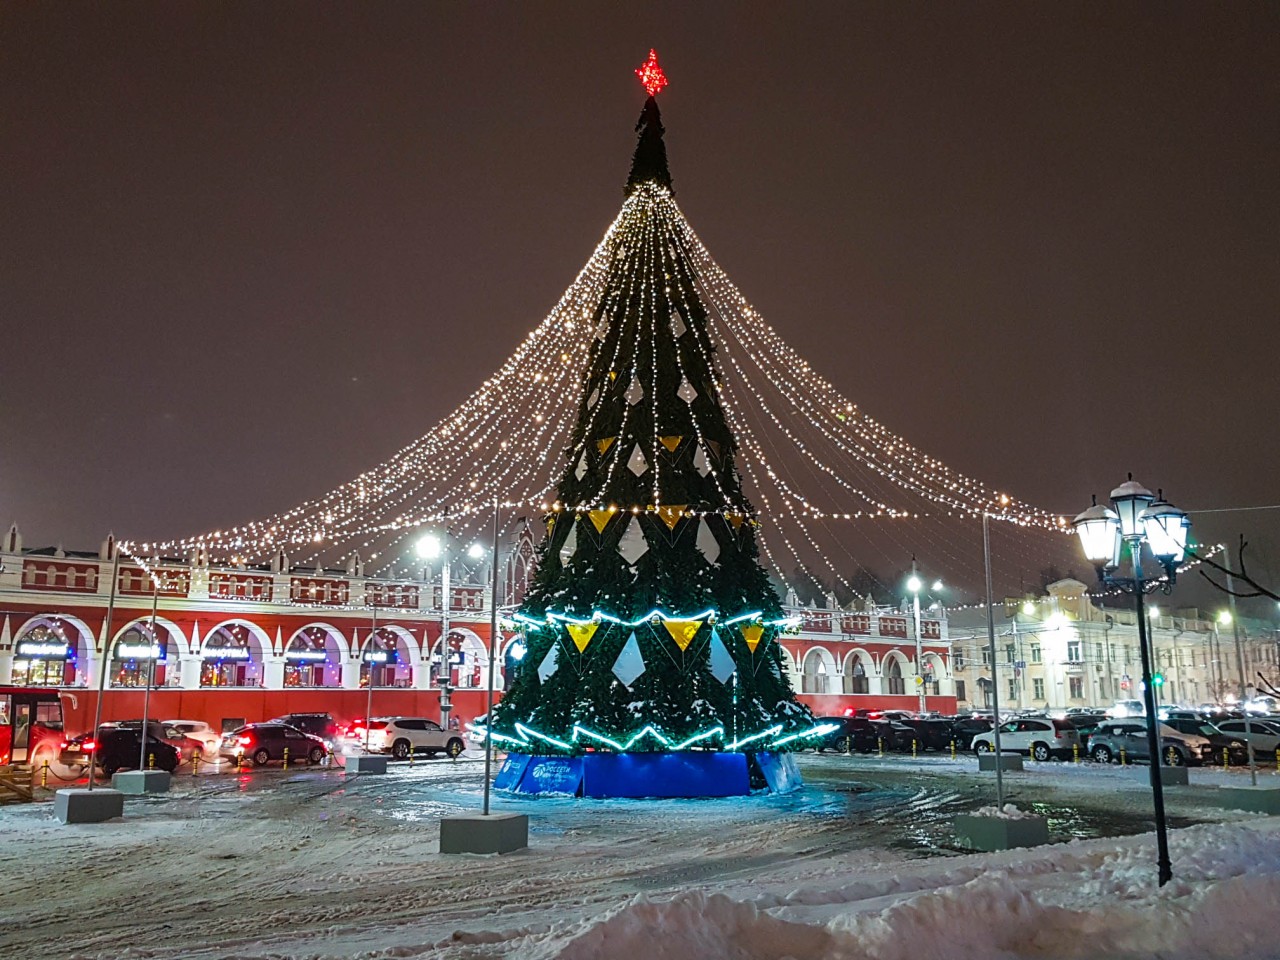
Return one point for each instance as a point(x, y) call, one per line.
point(496, 833)
point(1169, 776)
point(1007, 761)
point(365, 763)
point(136, 782)
point(81, 805)
point(1254, 799)
point(999, 833)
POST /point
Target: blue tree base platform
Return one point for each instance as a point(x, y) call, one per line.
point(660, 775)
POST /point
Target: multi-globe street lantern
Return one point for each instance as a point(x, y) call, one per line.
point(432, 547)
point(1138, 518)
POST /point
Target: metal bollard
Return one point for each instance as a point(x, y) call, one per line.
point(239, 762)
point(151, 761)
point(1124, 759)
point(44, 774)
point(195, 764)
point(411, 753)
point(1075, 753)
point(913, 748)
point(1226, 758)
point(286, 759)
point(953, 749)
point(880, 745)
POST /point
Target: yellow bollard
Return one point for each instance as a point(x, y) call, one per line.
point(286, 759)
point(913, 748)
point(1226, 758)
point(953, 749)
point(880, 741)
point(1075, 753)
point(1124, 759)
point(151, 761)
point(195, 764)
point(411, 753)
point(44, 774)
point(239, 762)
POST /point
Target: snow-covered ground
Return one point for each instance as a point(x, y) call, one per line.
point(860, 864)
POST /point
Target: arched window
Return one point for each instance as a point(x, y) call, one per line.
point(232, 657)
point(893, 677)
point(385, 658)
point(312, 659)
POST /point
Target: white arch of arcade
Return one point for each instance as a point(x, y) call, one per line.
point(819, 671)
point(233, 655)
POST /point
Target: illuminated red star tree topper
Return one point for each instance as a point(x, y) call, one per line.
point(651, 76)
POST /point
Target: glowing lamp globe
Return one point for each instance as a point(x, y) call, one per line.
point(914, 584)
point(429, 547)
point(1130, 499)
point(475, 551)
point(1167, 529)
point(1097, 530)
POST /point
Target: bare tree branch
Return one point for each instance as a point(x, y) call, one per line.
point(1257, 589)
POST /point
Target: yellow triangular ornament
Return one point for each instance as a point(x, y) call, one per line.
point(671, 514)
point(735, 519)
point(581, 633)
point(752, 633)
point(600, 518)
point(682, 631)
point(670, 443)
point(604, 445)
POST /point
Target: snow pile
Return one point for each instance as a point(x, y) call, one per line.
point(1077, 901)
point(1009, 811)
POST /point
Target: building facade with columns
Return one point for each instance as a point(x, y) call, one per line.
point(241, 643)
point(1062, 650)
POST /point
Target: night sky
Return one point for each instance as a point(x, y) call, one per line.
point(250, 250)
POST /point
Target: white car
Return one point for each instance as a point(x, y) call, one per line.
point(401, 736)
point(1039, 737)
point(198, 730)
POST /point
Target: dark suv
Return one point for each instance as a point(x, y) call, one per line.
point(264, 742)
point(118, 748)
point(851, 734)
point(317, 724)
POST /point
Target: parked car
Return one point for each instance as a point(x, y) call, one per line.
point(1086, 725)
point(1130, 735)
point(1038, 737)
point(197, 730)
point(1126, 708)
point(1263, 734)
point(263, 743)
point(851, 734)
point(117, 748)
point(401, 736)
point(1237, 749)
point(929, 734)
point(186, 747)
point(320, 725)
point(964, 729)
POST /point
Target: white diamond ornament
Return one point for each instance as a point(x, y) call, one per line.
point(686, 392)
point(635, 392)
point(637, 464)
point(550, 663)
point(630, 663)
point(580, 470)
point(701, 462)
point(570, 544)
point(632, 544)
point(602, 330)
point(595, 395)
point(678, 328)
point(707, 542)
point(722, 664)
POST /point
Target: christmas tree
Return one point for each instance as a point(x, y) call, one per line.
point(651, 624)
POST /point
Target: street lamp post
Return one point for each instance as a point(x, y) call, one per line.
point(430, 547)
point(915, 585)
point(1106, 534)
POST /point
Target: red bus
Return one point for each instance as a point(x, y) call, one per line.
point(30, 721)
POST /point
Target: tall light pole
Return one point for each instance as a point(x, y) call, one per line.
point(493, 655)
point(1248, 730)
point(1106, 535)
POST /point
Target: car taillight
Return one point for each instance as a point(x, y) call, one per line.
point(64, 745)
point(244, 741)
point(90, 745)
